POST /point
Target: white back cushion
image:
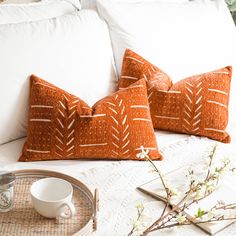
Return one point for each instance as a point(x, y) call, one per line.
point(182, 39)
point(72, 51)
point(16, 13)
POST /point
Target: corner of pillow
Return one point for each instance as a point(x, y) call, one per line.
point(230, 69)
point(227, 138)
point(158, 157)
point(22, 158)
point(33, 78)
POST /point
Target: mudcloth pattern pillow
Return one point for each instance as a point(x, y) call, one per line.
point(62, 126)
point(196, 105)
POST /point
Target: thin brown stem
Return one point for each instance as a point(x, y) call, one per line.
point(175, 208)
point(211, 156)
point(159, 174)
point(227, 207)
point(190, 223)
point(167, 190)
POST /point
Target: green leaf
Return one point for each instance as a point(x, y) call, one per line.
point(200, 213)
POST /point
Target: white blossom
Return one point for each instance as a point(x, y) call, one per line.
point(181, 218)
point(139, 226)
point(210, 187)
point(140, 206)
point(175, 192)
point(143, 154)
point(225, 161)
point(210, 215)
point(198, 194)
point(222, 172)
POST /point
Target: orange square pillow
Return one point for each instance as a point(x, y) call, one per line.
point(196, 105)
point(62, 126)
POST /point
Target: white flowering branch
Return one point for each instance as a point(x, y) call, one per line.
point(197, 191)
point(140, 209)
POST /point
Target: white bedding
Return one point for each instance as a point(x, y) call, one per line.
point(117, 180)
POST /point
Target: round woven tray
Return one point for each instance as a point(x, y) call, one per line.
point(24, 220)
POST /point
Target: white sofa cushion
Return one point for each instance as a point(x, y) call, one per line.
point(16, 13)
point(180, 38)
point(72, 51)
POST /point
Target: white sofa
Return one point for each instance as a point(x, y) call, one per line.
point(76, 45)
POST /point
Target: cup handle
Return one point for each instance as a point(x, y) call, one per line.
point(71, 208)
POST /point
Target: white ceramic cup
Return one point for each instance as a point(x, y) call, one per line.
point(51, 198)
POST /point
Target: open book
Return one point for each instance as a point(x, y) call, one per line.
point(177, 178)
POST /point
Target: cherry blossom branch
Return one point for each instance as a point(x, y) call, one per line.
point(190, 223)
point(196, 192)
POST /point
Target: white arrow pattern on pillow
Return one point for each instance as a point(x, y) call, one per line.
point(64, 133)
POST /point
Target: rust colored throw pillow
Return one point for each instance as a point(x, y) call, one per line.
point(62, 126)
point(196, 105)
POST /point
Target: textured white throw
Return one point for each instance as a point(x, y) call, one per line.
point(117, 184)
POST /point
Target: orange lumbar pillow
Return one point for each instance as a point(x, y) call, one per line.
point(62, 126)
point(196, 105)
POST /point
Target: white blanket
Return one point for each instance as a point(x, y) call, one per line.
point(117, 180)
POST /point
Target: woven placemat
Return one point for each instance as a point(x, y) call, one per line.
point(24, 220)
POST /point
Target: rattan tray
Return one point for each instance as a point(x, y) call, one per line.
point(23, 220)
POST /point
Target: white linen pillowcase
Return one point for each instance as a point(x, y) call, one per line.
point(72, 51)
point(182, 39)
point(92, 4)
point(45, 9)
